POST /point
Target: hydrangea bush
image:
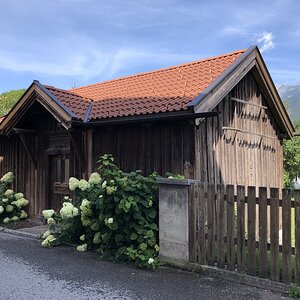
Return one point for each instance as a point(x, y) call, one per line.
point(114, 212)
point(12, 204)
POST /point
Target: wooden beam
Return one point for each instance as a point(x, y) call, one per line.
point(248, 103)
point(26, 145)
point(78, 151)
point(24, 131)
point(248, 132)
point(89, 151)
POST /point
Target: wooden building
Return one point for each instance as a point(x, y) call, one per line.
point(219, 120)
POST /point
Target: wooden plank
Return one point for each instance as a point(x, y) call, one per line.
point(274, 234)
point(193, 200)
point(251, 263)
point(241, 253)
point(230, 227)
point(297, 237)
point(220, 226)
point(210, 224)
point(263, 231)
point(286, 236)
point(201, 224)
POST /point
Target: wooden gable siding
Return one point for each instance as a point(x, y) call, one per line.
point(232, 157)
point(49, 139)
point(161, 147)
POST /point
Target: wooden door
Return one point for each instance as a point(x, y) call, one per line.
point(59, 171)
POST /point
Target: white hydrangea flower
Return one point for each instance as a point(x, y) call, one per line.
point(4, 200)
point(19, 196)
point(49, 241)
point(6, 220)
point(150, 261)
point(86, 208)
point(9, 193)
point(48, 213)
point(95, 178)
point(83, 184)
point(46, 234)
point(104, 184)
point(20, 202)
point(67, 198)
point(82, 248)
point(1, 209)
point(111, 189)
point(75, 211)
point(82, 238)
point(9, 208)
point(23, 214)
point(8, 177)
point(15, 218)
point(110, 220)
point(66, 211)
point(73, 183)
point(51, 221)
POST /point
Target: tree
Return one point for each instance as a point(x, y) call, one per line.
point(8, 100)
point(292, 157)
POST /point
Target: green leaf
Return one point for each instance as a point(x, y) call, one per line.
point(143, 246)
point(133, 236)
point(118, 238)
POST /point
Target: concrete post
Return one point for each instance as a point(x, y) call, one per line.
point(174, 220)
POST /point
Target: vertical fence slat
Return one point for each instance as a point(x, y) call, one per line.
point(274, 234)
point(210, 224)
point(286, 237)
point(193, 199)
point(263, 231)
point(201, 224)
point(230, 227)
point(220, 227)
point(251, 243)
point(297, 236)
point(241, 255)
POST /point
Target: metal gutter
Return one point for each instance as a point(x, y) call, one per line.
point(146, 118)
point(55, 99)
point(219, 79)
point(88, 112)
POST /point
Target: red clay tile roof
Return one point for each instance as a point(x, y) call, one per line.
point(164, 90)
point(77, 104)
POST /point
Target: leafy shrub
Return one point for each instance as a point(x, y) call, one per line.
point(294, 291)
point(115, 213)
point(11, 204)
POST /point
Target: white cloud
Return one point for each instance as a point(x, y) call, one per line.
point(265, 41)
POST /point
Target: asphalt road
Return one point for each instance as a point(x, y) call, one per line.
point(28, 271)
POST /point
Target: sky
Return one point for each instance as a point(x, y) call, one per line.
point(70, 43)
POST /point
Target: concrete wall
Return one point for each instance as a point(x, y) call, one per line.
point(174, 220)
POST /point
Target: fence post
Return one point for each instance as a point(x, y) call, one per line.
point(174, 220)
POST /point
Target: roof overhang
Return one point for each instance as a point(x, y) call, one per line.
point(37, 93)
point(250, 60)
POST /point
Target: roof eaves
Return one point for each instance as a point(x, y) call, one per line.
point(55, 99)
point(220, 78)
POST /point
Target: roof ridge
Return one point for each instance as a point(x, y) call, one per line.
point(159, 70)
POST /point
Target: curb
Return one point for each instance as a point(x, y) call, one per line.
point(19, 233)
point(232, 276)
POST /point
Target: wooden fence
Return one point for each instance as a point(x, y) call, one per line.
point(230, 227)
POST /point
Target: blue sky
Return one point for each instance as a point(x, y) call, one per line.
point(69, 43)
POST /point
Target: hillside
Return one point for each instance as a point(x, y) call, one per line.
point(290, 95)
point(8, 99)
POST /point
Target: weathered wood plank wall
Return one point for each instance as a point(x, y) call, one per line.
point(161, 147)
point(233, 157)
